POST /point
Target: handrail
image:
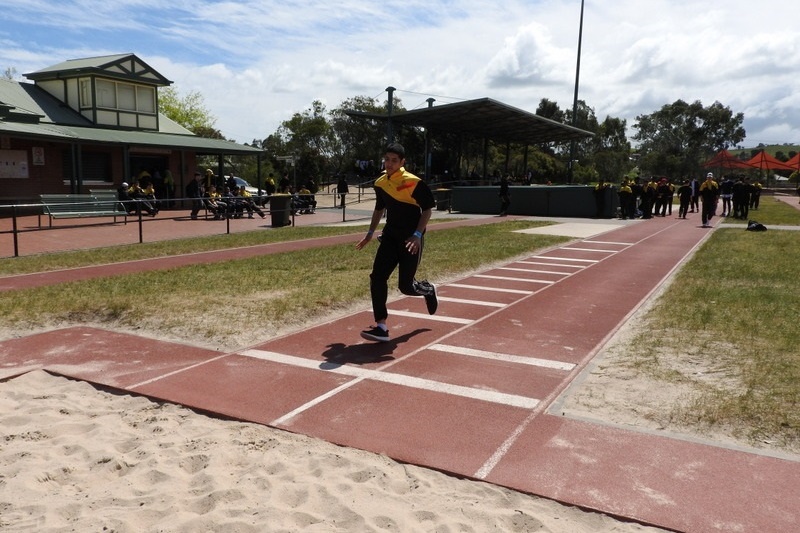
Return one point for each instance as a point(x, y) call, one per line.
point(17, 211)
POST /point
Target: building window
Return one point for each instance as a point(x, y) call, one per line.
point(86, 92)
point(146, 99)
point(126, 97)
point(96, 166)
point(106, 94)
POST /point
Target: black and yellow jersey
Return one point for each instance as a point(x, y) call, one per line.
point(404, 196)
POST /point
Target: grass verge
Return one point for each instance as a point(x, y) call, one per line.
point(240, 302)
point(726, 330)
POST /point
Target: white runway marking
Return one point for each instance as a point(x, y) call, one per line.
point(495, 289)
point(438, 318)
point(502, 398)
point(534, 271)
point(570, 259)
point(507, 278)
point(612, 243)
point(471, 302)
point(590, 250)
point(550, 264)
point(533, 361)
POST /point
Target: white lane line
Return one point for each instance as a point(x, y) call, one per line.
point(497, 356)
point(494, 289)
point(535, 271)
point(471, 302)
point(507, 278)
point(361, 374)
point(612, 243)
point(590, 250)
point(570, 259)
point(549, 264)
point(178, 371)
point(439, 318)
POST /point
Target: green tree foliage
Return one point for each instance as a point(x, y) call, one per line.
point(605, 155)
point(360, 139)
point(189, 111)
point(676, 139)
point(307, 136)
point(611, 150)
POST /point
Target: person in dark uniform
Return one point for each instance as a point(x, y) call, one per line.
point(694, 204)
point(600, 192)
point(505, 196)
point(685, 198)
point(627, 202)
point(408, 204)
point(709, 193)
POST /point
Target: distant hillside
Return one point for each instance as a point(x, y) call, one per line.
point(788, 150)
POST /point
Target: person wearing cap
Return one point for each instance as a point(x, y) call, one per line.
point(408, 204)
point(709, 193)
point(125, 198)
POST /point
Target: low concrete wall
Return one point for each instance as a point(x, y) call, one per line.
point(536, 200)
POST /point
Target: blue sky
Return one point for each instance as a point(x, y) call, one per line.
point(256, 62)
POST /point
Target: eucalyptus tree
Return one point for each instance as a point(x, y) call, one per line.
point(675, 140)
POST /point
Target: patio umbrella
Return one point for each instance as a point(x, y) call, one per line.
point(794, 162)
point(724, 159)
point(764, 161)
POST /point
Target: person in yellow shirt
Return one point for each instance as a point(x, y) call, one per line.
point(407, 202)
point(215, 204)
point(305, 203)
point(709, 194)
point(248, 203)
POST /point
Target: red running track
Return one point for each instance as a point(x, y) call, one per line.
point(467, 391)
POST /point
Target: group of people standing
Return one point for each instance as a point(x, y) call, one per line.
point(655, 197)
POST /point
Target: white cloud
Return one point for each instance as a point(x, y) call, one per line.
point(256, 62)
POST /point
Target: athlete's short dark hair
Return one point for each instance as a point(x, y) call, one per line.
point(396, 148)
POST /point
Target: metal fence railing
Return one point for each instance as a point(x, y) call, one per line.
point(19, 219)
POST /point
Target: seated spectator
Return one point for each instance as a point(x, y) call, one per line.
point(231, 201)
point(137, 195)
point(249, 204)
point(306, 202)
point(215, 204)
point(128, 204)
point(148, 192)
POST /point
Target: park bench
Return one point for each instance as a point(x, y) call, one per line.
point(99, 204)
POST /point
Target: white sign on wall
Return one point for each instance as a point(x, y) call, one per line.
point(13, 164)
point(37, 156)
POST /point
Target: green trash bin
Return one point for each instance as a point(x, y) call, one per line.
point(280, 209)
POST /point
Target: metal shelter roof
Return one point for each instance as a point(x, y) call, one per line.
point(484, 117)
